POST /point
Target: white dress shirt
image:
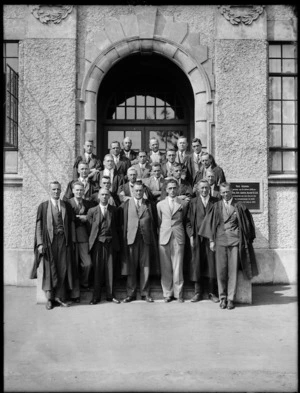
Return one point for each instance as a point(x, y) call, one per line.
point(56, 202)
point(205, 200)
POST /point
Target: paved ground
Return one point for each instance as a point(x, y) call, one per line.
point(152, 347)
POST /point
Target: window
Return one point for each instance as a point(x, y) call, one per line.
point(11, 105)
point(283, 115)
point(145, 106)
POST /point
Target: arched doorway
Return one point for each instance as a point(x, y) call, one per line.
point(144, 96)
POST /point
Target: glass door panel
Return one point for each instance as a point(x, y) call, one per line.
point(166, 135)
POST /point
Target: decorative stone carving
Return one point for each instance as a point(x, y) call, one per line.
point(241, 14)
point(51, 13)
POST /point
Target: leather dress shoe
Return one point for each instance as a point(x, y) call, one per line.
point(61, 303)
point(113, 299)
point(94, 301)
point(49, 305)
point(168, 299)
point(213, 298)
point(196, 298)
point(147, 299)
point(230, 305)
point(223, 303)
point(180, 300)
point(129, 299)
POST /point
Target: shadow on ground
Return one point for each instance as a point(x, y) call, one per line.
point(271, 294)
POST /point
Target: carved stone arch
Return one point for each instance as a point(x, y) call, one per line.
point(148, 32)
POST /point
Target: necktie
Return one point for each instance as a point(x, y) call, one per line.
point(104, 211)
point(172, 205)
point(79, 206)
point(56, 205)
point(227, 207)
point(181, 157)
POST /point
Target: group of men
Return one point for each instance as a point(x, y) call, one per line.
point(140, 214)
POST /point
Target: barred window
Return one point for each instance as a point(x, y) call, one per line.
point(283, 116)
point(11, 105)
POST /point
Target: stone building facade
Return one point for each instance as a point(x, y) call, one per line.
point(74, 63)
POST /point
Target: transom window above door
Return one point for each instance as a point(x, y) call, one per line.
point(145, 106)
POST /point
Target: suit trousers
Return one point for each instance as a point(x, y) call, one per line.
point(59, 252)
point(103, 264)
point(206, 283)
point(139, 255)
point(227, 270)
point(171, 266)
point(84, 265)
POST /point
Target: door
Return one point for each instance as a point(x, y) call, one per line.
point(167, 135)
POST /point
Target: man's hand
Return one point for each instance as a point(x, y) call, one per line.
point(192, 241)
point(82, 218)
point(212, 246)
point(41, 249)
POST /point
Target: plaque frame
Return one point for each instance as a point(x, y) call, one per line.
point(261, 200)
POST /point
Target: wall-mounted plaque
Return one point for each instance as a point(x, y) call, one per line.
point(249, 193)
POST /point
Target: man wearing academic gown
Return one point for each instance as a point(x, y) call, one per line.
point(230, 228)
point(202, 265)
point(54, 238)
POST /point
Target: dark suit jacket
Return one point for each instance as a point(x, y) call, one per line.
point(95, 219)
point(148, 222)
point(190, 169)
point(94, 162)
point(91, 188)
point(165, 169)
point(200, 255)
point(122, 166)
point(81, 228)
point(132, 155)
point(117, 181)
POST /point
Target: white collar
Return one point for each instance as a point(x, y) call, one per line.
point(77, 202)
point(206, 199)
point(54, 202)
point(156, 153)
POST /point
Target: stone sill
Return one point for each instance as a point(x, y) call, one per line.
point(283, 180)
point(11, 180)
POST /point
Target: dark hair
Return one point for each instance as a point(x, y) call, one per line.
point(155, 164)
point(139, 183)
point(171, 149)
point(226, 184)
point(106, 177)
point(115, 142)
point(213, 162)
point(178, 165)
point(172, 181)
point(142, 151)
point(196, 140)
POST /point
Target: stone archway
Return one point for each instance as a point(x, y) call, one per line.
point(147, 32)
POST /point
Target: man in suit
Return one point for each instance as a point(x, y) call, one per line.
point(104, 244)
point(193, 162)
point(53, 243)
point(83, 260)
point(167, 166)
point(202, 265)
point(127, 152)
point(113, 199)
point(230, 229)
point(154, 154)
point(126, 190)
point(155, 182)
point(184, 191)
point(90, 186)
point(143, 168)
point(139, 226)
point(122, 163)
point(214, 189)
point(209, 164)
point(171, 222)
point(91, 159)
point(111, 172)
point(182, 152)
